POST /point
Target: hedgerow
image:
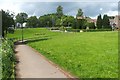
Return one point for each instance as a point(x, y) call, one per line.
point(8, 59)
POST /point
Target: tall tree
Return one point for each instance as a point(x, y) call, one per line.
point(7, 21)
point(81, 23)
point(59, 11)
point(106, 22)
point(80, 13)
point(21, 18)
point(99, 22)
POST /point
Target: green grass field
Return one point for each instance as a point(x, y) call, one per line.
point(85, 55)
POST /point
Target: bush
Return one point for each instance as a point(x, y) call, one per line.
point(11, 30)
point(89, 30)
point(54, 28)
point(73, 30)
point(96, 30)
point(8, 59)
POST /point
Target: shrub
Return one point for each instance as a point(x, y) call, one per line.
point(11, 30)
point(8, 59)
point(97, 30)
point(73, 30)
point(89, 30)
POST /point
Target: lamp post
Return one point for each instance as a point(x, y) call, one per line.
point(22, 25)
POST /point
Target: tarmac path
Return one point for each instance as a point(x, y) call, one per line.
point(32, 64)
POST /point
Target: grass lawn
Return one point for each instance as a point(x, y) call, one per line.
point(85, 55)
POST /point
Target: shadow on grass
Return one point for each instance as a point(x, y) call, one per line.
point(36, 40)
point(30, 41)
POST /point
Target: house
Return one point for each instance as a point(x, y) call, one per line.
point(115, 21)
point(91, 20)
point(18, 25)
point(88, 19)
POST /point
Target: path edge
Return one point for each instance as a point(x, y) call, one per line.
point(66, 73)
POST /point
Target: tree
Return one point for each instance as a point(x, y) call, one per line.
point(81, 23)
point(91, 25)
point(80, 13)
point(21, 18)
point(46, 20)
point(59, 11)
point(32, 21)
point(68, 21)
point(106, 22)
point(99, 22)
point(7, 21)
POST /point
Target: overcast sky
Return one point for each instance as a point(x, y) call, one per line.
point(90, 8)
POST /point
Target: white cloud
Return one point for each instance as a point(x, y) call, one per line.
point(35, 7)
point(112, 13)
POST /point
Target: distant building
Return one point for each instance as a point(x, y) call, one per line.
point(80, 17)
point(18, 25)
point(115, 21)
point(88, 19)
point(91, 20)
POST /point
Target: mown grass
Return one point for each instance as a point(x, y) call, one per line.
point(85, 55)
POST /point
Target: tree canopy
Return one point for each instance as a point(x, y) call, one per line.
point(80, 13)
point(7, 21)
point(106, 22)
point(32, 21)
point(99, 22)
point(59, 11)
point(21, 17)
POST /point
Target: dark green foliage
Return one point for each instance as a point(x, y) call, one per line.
point(11, 30)
point(32, 22)
point(21, 18)
point(68, 21)
point(59, 11)
point(97, 30)
point(48, 20)
point(80, 13)
point(8, 59)
point(91, 25)
point(7, 21)
point(99, 22)
point(81, 24)
point(106, 22)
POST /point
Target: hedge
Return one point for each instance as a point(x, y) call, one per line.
point(90, 30)
point(8, 59)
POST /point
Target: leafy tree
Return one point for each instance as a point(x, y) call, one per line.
point(59, 11)
point(7, 21)
point(74, 26)
point(81, 24)
point(68, 21)
point(106, 22)
point(91, 25)
point(99, 22)
point(80, 13)
point(58, 23)
point(45, 20)
point(21, 18)
point(32, 21)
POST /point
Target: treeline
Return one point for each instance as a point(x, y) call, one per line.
point(58, 19)
point(103, 23)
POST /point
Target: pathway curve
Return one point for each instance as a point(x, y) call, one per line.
point(32, 64)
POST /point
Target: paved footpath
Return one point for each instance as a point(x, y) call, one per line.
point(32, 64)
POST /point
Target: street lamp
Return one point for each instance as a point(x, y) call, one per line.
point(22, 25)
